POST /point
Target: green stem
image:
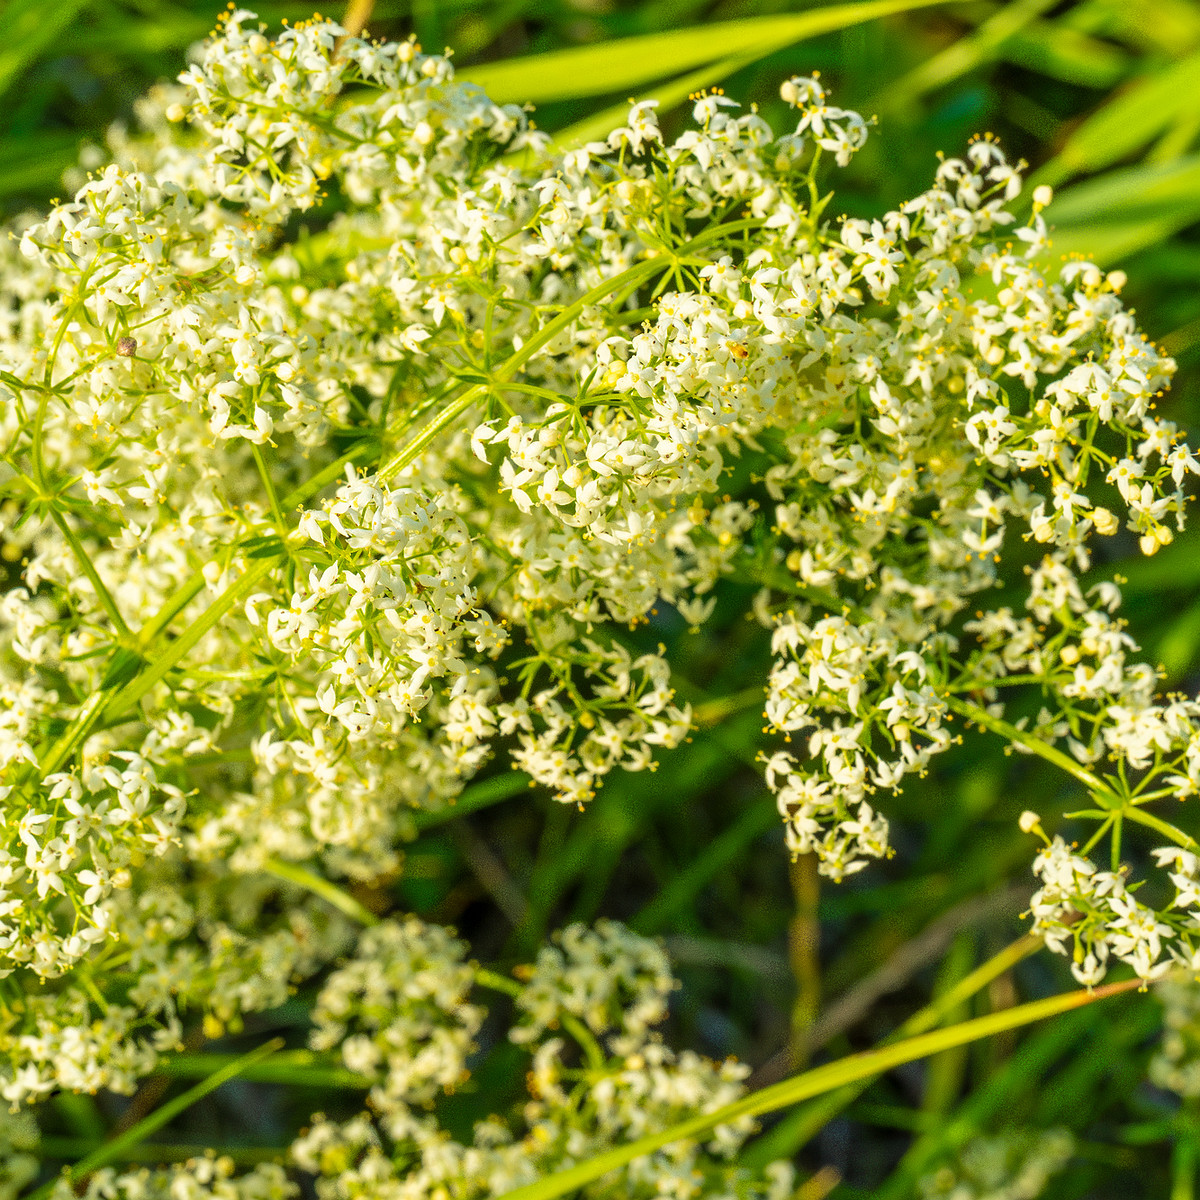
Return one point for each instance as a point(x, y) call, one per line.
point(973, 712)
point(571, 1023)
point(89, 569)
point(795, 1131)
point(630, 278)
point(137, 687)
point(120, 1145)
point(1164, 827)
point(302, 877)
point(78, 729)
point(268, 487)
point(188, 591)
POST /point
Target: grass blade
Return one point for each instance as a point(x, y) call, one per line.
point(1127, 210)
point(1064, 53)
point(816, 1083)
point(118, 1146)
point(1127, 123)
point(668, 95)
point(967, 53)
point(634, 62)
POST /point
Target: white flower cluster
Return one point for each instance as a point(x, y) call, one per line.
point(310, 524)
point(405, 989)
point(1090, 914)
point(205, 945)
point(609, 978)
point(398, 1012)
point(209, 1178)
point(1015, 1165)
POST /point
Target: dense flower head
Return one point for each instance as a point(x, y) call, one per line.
point(599, 1074)
point(314, 520)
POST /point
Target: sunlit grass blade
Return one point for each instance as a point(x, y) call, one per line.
point(331, 893)
point(1055, 50)
point(298, 1068)
point(797, 1128)
point(1127, 122)
point(634, 62)
point(967, 53)
point(1126, 210)
point(668, 96)
point(116, 1147)
point(32, 164)
point(815, 1083)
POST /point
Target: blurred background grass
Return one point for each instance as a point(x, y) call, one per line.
point(1102, 99)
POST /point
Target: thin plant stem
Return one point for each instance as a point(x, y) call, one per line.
point(787, 1137)
point(804, 934)
point(89, 569)
point(302, 877)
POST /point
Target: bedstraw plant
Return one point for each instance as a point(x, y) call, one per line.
point(310, 521)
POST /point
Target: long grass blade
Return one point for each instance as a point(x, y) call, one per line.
point(634, 62)
point(118, 1146)
point(1128, 122)
point(815, 1083)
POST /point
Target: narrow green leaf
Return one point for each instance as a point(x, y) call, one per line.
point(681, 890)
point(1062, 53)
point(631, 63)
point(122, 667)
point(132, 39)
point(302, 877)
point(36, 164)
point(30, 27)
point(1128, 122)
point(800, 1126)
point(479, 795)
point(1126, 210)
point(815, 1083)
point(117, 1147)
point(157, 1152)
point(668, 95)
point(301, 1068)
point(967, 53)
point(133, 691)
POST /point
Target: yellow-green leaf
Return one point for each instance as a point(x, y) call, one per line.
point(634, 62)
point(1127, 210)
point(1128, 122)
point(600, 124)
point(30, 26)
point(814, 1083)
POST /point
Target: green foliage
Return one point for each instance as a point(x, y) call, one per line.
point(1103, 98)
